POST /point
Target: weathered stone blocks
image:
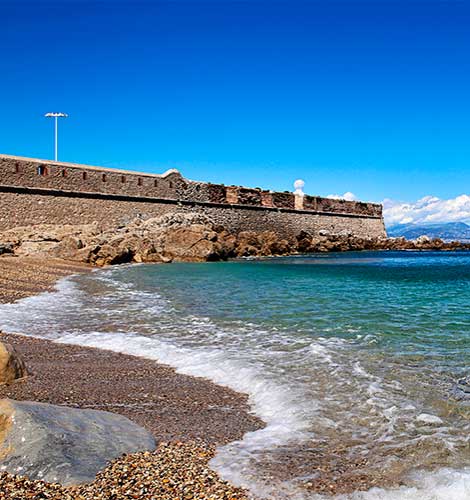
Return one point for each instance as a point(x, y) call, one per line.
point(42, 192)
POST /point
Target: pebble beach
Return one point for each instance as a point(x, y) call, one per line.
point(174, 470)
point(188, 416)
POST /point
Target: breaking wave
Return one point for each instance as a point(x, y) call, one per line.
point(322, 379)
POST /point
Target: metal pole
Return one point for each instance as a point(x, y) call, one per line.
point(56, 117)
point(55, 138)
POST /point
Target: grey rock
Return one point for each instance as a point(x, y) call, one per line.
point(461, 390)
point(62, 444)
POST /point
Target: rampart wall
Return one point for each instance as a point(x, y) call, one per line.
point(36, 191)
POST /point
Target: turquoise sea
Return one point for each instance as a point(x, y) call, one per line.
point(357, 362)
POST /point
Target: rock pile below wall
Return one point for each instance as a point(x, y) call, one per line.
point(186, 237)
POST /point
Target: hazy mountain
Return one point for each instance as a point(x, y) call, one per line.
point(447, 231)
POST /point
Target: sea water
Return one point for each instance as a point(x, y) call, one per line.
point(353, 360)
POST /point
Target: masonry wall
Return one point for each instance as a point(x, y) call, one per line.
point(33, 173)
point(19, 209)
point(21, 172)
point(73, 194)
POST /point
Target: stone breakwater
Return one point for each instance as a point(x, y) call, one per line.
point(186, 237)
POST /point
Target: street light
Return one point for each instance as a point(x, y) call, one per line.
point(55, 116)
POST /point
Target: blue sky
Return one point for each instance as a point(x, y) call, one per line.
point(368, 97)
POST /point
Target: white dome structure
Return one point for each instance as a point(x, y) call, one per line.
point(299, 187)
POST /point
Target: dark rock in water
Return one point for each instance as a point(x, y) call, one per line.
point(461, 390)
point(64, 445)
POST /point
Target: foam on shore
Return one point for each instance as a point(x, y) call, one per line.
point(277, 406)
point(286, 409)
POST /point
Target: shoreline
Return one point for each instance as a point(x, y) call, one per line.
point(188, 415)
point(22, 277)
point(182, 412)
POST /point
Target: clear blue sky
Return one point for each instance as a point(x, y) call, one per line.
point(371, 97)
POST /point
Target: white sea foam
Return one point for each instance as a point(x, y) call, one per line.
point(444, 484)
point(277, 406)
point(429, 419)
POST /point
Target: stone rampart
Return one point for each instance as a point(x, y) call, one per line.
point(36, 191)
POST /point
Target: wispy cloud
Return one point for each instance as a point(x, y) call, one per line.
point(427, 210)
point(346, 196)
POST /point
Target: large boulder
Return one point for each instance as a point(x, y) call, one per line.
point(64, 445)
point(12, 366)
point(194, 243)
point(112, 254)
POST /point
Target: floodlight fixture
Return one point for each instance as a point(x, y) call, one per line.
point(56, 116)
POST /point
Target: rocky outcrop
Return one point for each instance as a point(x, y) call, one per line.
point(162, 239)
point(44, 238)
point(188, 237)
point(327, 242)
point(64, 445)
point(12, 366)
point(266, 243)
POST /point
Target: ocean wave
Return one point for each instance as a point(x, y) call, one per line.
point(301, 386)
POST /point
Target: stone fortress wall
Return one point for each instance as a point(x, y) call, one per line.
point(38, 191)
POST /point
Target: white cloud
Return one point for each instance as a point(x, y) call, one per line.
point(429, 209)
point(346, 196)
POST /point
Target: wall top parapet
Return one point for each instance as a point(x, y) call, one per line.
point(64, 164)
point(20, 172)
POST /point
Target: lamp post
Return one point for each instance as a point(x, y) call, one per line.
point(55, 116)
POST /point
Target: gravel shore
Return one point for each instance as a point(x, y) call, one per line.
point(170, 405)
point(21, 277)
point(189, 416)
point(175, 471)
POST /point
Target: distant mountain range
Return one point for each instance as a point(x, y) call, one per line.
point(458, 231)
